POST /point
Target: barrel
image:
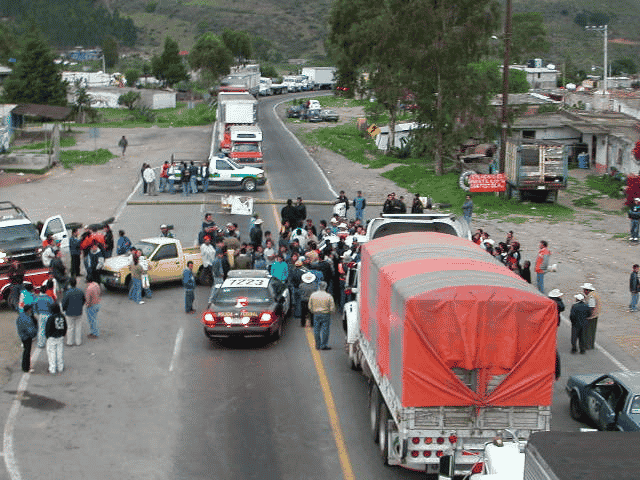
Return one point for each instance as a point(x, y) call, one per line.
point(583, 160)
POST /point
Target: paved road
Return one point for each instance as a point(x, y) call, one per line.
point(153, 398)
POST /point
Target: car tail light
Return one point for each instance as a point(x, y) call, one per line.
point(351, 265)
point(266, 317)
point(439, 453)
point(477, 468)
point(428, 440)
point(209, 318)
point(347, 291)
point(440, 440)
point(453, 438)
point(426, 453)
point(415, 440)
point(415, 453)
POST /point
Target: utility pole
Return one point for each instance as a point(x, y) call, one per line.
point(604, 29)
point(505, 88)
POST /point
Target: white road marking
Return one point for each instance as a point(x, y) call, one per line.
point(10, 461)
point(176, 349)
point(601, 349)
point(124, 204)
point(329, 186)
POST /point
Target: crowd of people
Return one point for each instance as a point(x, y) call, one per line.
point(52, 312)
point(190, 177)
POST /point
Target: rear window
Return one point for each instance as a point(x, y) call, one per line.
point(229, 296)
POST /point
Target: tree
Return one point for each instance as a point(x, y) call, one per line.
point(529, 37)
point(82, 106)
point(129, 99)
point(211, 55)
point(268, 70)
point(489, 76)
point(132, 75)
point(8, 43)
point(624, 66)
point(110, 52)
point(168, 67)
point(239, 43)
point(35, 78)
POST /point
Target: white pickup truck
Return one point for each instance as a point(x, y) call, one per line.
point(224, 172)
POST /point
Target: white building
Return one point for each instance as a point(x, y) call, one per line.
point(540, 78)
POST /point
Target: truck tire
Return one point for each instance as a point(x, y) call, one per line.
point(574, 408)
point(383, 433)
point(374, 410)
point(249, 184)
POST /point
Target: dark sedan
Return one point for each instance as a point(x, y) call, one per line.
point(249, 303)
point(329, 115)
point(610, 402)
point(295, 111)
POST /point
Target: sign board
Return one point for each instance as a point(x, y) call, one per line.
point(238, 205)
point(488, 183)
point(373, 130)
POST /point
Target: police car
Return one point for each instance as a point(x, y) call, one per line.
point(249, 303)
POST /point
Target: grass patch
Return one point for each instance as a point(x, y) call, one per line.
point(64, 143)
point(331, 101)
point(71, 158)
point(606, 184)
point(586, 201)
point(345, 140)
point(181, 116)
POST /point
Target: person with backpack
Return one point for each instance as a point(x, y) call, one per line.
point(124, 244)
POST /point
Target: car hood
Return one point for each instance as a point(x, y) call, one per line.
point(250, 170)
point(117, 263)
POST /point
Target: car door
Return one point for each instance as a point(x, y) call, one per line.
point(165, 264)
point(225, 173)
point(597, 405)
point(56, 227)
point(628, 414)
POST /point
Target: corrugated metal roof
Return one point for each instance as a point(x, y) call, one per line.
point(47, 111)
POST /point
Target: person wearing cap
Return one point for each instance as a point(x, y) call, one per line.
point(321, 305)
point(579, 317)
point(542, 262)
point(255, 234)
point(592, 299)
point(634, 288)
point(634, 216)
point(556, 296)
point(165, 232)
point(307, 287)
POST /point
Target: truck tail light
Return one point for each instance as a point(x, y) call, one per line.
point(439, 453)
point(266, 317)
point(415, 453)
point(428, 440)
point(347, 291)
point(440, 440)
point(453, 438)
point(415, 440)
point(477, 468)
point(426, 453)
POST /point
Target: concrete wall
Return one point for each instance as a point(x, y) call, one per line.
point(157, 99)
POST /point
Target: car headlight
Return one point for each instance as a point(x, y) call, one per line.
point(260, 175)
point(3, 257)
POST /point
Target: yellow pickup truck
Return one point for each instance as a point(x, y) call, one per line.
point(166, 258)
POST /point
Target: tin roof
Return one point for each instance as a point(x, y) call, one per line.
point(47, 111)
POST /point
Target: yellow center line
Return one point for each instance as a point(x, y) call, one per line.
point(334, 420)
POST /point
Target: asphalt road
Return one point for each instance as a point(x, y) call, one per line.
point(153, 398)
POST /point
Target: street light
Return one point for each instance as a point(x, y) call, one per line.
point(604, 30)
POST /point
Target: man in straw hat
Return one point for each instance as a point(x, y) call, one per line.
point(593, 302)
point(307, 287)
point(579, 317)
point(556, 296)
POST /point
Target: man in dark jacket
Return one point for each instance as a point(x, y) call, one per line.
point(301, 213)
point(27, 331)
point(255, 234)
point(55, 330)
point(59, 271)
point(634, 288)
point(556, 296)
point(289, 214)
point(579, 317)
point(72, 304)
point(74, 252)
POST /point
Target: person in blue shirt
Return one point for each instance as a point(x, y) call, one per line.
point(359, 203)
point(124, 244)
point(74, 252)
point(42, 310)
point(189, 284)
point(280, 269)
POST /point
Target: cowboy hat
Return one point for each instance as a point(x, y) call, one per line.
point(308, 277)
point(555, 293)
point(588, 286)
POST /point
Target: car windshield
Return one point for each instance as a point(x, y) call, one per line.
point(16, 233)
point(233, 163)
point(230, 296)
point(146, 247)
point(246, 147)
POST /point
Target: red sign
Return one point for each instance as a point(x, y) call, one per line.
point(488, 183)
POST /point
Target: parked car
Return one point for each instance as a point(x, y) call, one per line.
point(313, 115)
point(295, 111)
point(329, 115)
point(610, 402)
point(249, 303)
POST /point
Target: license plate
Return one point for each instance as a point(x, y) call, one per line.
point(235, 321)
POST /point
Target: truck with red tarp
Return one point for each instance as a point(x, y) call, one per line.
point(457, 349)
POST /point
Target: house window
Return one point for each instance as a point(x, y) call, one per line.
point(539, 75)
point(531, 134)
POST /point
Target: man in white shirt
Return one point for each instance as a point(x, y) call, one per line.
point(208, 254)
point(150, 178)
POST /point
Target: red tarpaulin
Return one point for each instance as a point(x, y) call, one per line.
point(432, 302)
